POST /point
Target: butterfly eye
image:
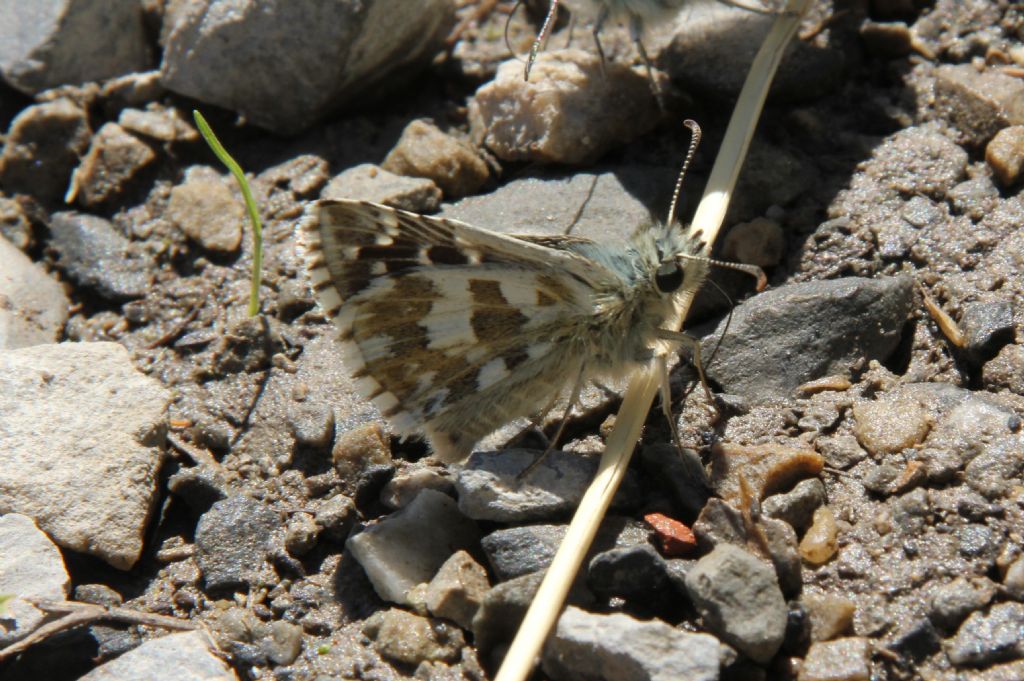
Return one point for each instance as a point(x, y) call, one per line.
point(669, 277)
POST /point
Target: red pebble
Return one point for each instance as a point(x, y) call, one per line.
point(676, 539)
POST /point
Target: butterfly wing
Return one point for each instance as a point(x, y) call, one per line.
point(451, 330)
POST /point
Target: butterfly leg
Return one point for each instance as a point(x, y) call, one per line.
point(602, 14)
point(693, 345)
point(666, 400)
point(636, 32)
point(574, 397)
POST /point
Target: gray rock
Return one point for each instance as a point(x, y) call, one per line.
point(312, 425)
point(488, 487)
point(636, 573)
point(346, 52)
point(845, 659)
point(998, 467)
point(458, 589)
point(410, 639)
point(368, 182)
point(162, 125)
point(739, 599)
point(1006, 370)
point(712, 48)
point(605, 205)
point(517, 551)
point(30, 567)
point(89, 477)
point(978, 103)
point(985, 638)
point(43, 146)
point(187, 656)
point(954, 601)
point(987, 327)
point(918, 160)
point(336, 516)
point(589, 646)
point(114, 159)
point(283, 642)
point(424, 150)
point(573, 109)
point(233, 540)
point(200, 487)
point(205, 209)
point(408, 547)
point(785, 337)
point(33, 307)
point(797, 506)
point(300, 534)
point(682, 474)
point(46, 44)
point(97, 256)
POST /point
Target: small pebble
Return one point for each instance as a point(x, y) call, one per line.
point(887, 39)
point(312, 424)
point(206, 211)
point(759, 242)
point(821, 540)
point(674, 538)
point(1005, 155)
point(988, 637)
point(458, 589)
point(368, 182)
point(300, 534)
point(424, 150)
point(846, 659)
point(115, 157)
point(1013, 580)
point(797, 506)
point(283, 642)
point(886, 426)
point(987, 327)
point(830, 615)
point(406, 638)
point(954, 601)
point(410, 481)
point(1006, 370)
point(336, 515)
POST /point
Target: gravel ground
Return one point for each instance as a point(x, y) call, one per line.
point(855, 496)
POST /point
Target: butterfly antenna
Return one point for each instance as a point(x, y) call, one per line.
point(541, 36)
point(753, 270)
point(508, 22)
point(694, 143)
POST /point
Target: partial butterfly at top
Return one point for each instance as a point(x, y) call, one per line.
point(453, 330)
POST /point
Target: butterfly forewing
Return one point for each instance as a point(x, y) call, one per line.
point(451, 330)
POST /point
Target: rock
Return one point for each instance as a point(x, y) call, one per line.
point(617, 646)
point(986, 638)
point(916, 640)
point(347, 52)
point(987, 327)
point(312, 425)
point(300, 534)
point(681, 474)
point(1006, 370)
point(840, 451)
point(284, 642)
point(409, 482)
point(978, 103)
point(830, 615)
point(954, 601)
point(359, 449)
point(674, 538)
point(89, 477)
point(767, 469)
point(1005, 155)
point(739, 599)
point(33, 307)
point(458, 589)
point(712, 49)
point(1013, 580)
point(95, 255)
point(233, 541)
point(185, 656)
point(53, 44)
point(162, 125)
point(997, 468)
point(573, 109)
point(918, 160)
point(425, 151)
point(200, 486)
point(488, 486)
point(115, 158)
point(15, 225)
point(822, 538)
point(43, 146)
point(797, 506)
point(368, 182)
point(408, 547)
point(975, 197)
point(406, 638)
point(336, 516)
point(517, 551)
point(30, 567)
point(758, 242)
point(890, 424)
point(783, 338)
point(847, 659)
point(889, 39)
point(637, 573)
point(204, 208)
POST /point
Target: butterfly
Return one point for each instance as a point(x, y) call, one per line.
point(453, 330)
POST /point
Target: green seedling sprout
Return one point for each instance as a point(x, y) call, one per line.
point(250, 205)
